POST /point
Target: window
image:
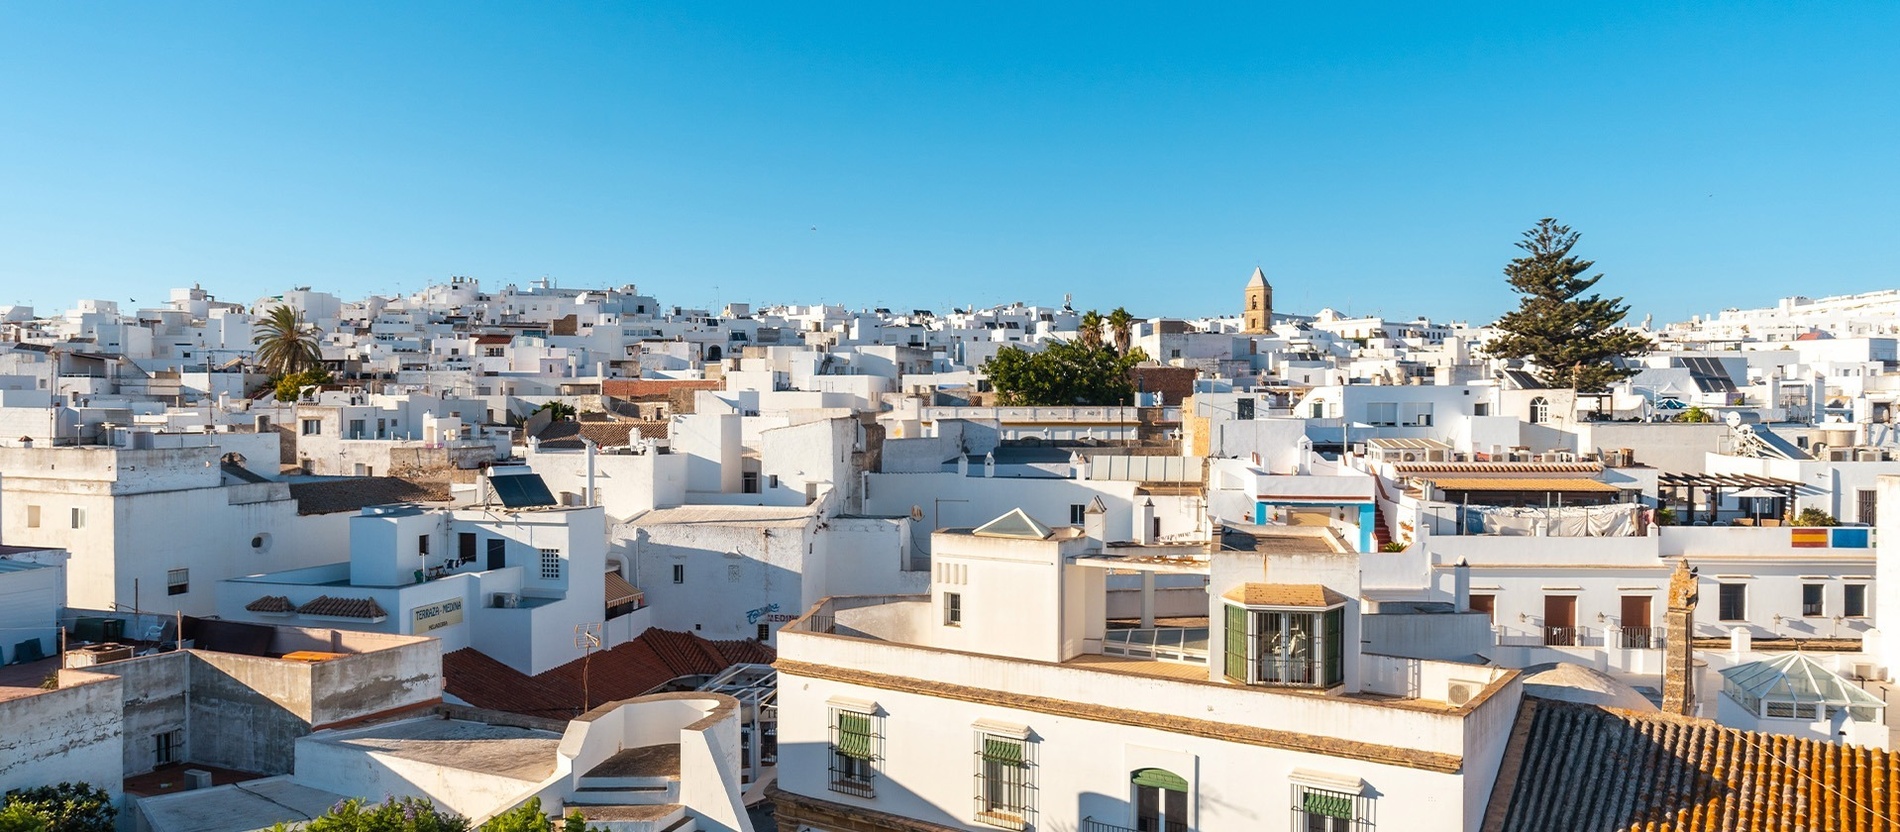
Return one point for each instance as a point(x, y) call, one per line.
point(32, 517)
point(422, 545)
point(1733, 604)
point(1487, 604)
point(1077, 512)
point(1540, 410)
point(679, 573)
point(857, 743)
point(749, 482)
point(952, 609)
point(168, 747)
point(356, 428)
point(1005, 781)
point(1811, 599)
point(1285, 647)
point(1324, 810)
point(1854, 604)
point(551, 564)
point(177, 581)
point(1791, 710)
point(1160, 801)
point(312, 427)
point(765, 633)
point(79, 518)
point(1382, 413)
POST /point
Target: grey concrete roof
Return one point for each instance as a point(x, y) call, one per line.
point(238, 807)
point(519, 753)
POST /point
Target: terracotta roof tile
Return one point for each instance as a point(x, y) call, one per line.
point(1482, 468)
point(364, 608)
point(271, 603)
point(631, 669)
point(1607, 770)
point(567, 434)
point(1284, 595)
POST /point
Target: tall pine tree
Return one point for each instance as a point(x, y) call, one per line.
point(1569, 337)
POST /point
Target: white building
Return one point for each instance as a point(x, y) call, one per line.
point(1005, 699)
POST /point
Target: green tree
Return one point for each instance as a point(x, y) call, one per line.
point(408, 814)
point(289, 387)
point(285, 344)
point(1121, 328)
point(1570, 337)
point(67, 807)
point(1815, 517)
point(1064, 373)
point(1090, 330)
point(560, 410)
point(16, 817)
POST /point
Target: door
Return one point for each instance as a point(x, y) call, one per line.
point(1636, 632)
point(465, 548)
point(497, 553)
point(1487, 604)
point(1560, 620)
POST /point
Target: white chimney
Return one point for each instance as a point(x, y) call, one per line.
point(1145, 522)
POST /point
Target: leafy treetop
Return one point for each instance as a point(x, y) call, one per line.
point(1570, 337)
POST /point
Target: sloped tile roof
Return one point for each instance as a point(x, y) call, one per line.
point(271, 603)
point(1284, 595)
point(364, 608)
point(1584, 767)
point(650, 660)
point(568, 434)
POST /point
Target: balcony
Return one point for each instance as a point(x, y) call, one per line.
point(1638, 638)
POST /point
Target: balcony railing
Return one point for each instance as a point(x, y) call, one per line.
point(1563, 637)
point(1145, 825)
point(1639, 638)
point(1176, 644)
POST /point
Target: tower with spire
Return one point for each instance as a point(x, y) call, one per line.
point(1257, 316)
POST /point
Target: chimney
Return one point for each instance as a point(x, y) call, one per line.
point(1678, 647)
point(963, 464)
point(1461, 586)
point(989, 464)
point(1095, 524)
point(1145, 522)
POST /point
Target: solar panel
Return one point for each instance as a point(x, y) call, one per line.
point(522, 491)
point(1709, 374)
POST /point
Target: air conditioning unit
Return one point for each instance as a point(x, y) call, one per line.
point(1840, 454)
point(1457, 693)
point(197, 778)
point(507, 600)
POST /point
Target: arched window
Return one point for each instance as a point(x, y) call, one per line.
point(1540, 410)
point(1254, 303)
point(1161, 803)
point(712, 353)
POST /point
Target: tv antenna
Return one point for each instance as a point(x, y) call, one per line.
point(586, 640)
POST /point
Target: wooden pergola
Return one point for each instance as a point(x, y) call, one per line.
point(1670, 486)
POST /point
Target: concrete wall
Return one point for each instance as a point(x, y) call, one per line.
point(70, 734)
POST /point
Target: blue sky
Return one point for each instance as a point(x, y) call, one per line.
point(1372, 157)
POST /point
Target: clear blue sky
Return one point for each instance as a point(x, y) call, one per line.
point(1373, 157)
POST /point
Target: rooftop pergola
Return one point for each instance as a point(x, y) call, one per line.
point(1686, 484)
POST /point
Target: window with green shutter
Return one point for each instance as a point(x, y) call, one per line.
point(1005, 781)
point(856, 744)
point(1325, 810)
point(1236, 667)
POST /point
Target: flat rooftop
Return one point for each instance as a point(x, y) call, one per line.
point(750, 516)
point(518, 753)
point(238, 807)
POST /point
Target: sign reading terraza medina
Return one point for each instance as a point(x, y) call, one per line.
point(438, 615)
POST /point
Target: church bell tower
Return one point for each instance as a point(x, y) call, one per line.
point(1257, 316)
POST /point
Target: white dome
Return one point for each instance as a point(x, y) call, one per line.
point(1575, 683)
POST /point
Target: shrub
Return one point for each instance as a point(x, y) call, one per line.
point(1815, 517)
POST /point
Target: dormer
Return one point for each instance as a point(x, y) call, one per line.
point(1284, 635)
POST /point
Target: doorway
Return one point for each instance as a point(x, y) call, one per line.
point(1636, 633)
point(1560, 620)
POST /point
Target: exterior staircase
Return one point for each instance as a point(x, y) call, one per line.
point(635, 790)
point(1381, 530)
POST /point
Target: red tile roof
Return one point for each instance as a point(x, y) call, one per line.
point(271, 603)
point(365, 608)
point(628, 670)
point(1583, 767)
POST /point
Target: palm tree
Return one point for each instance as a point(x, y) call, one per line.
point(1119, 324)
point(285, 344)
point(1091, 333)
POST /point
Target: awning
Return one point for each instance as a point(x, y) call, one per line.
point(619, 591)
point(1522, 484)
